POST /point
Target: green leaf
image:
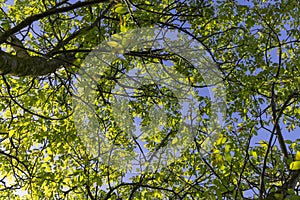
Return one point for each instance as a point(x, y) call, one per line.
point(114, 44)
point(121, 10)
point(295, 165)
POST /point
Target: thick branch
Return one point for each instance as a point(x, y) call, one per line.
point(31, 66)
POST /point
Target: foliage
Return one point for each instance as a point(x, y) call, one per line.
point(44, 155)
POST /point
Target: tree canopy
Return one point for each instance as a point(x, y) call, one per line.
point(93, 95)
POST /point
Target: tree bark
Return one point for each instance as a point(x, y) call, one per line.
point(32, 65)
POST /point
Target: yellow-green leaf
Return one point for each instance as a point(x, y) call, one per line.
point(295, 165)
point(297, 157)
point(11, 133)
point(121, 10)
point(114, 44)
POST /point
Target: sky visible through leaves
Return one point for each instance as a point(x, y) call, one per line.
point(123, 105)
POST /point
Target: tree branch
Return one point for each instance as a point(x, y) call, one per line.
point(29, 20)
point(31, 66)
